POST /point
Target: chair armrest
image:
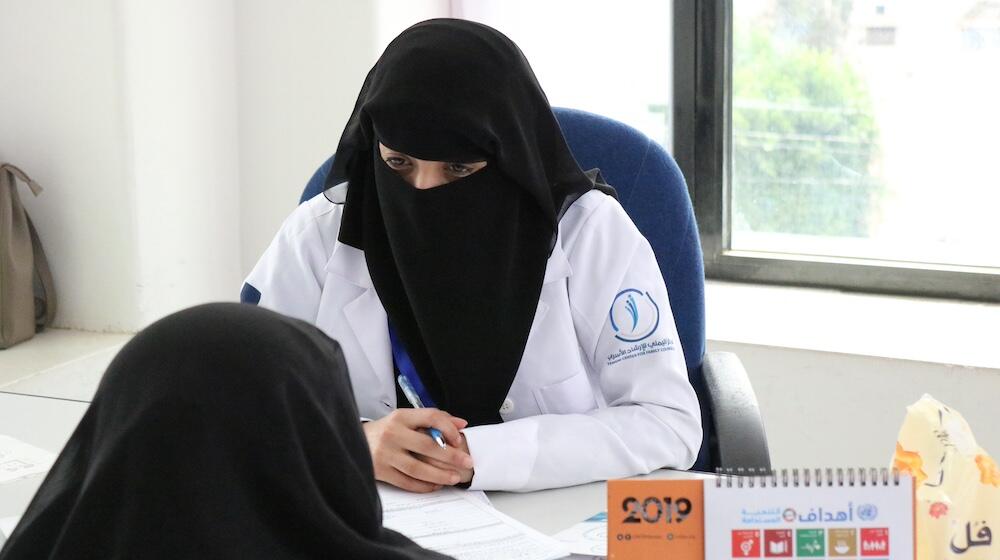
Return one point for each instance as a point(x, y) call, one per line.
point(739, 432)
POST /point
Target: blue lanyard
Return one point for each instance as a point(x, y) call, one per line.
point(408, 371)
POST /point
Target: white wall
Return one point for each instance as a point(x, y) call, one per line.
point(180, 106)
point(826, 409)
point(125, 111)
point(172, 138)
point(393, 16)
point(301, 65)
point(62, 121)
point(610, 58)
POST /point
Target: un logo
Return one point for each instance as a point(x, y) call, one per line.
point(867, 512)
point(634, 315)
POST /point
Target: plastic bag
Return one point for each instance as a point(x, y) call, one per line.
point(957, 484)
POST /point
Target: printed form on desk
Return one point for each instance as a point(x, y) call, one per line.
point(464, 525)
point(18, 459)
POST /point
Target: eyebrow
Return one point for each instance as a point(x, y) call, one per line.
point(390, 152)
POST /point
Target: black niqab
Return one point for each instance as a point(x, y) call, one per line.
point(222, 431)
point(458, 267)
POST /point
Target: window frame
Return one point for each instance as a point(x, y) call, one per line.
point(702, 45)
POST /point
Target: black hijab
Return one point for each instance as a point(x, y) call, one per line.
point(458, 267)
point(222, 431)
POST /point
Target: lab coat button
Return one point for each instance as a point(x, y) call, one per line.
point(507, 407)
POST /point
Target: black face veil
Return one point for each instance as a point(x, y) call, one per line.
point(458, 267)
point(222, 431)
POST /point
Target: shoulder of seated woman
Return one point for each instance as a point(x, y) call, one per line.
point(328, 204)
point(316, 215)
point(594, 214)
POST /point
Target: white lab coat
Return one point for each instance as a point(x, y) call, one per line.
point(597, 395)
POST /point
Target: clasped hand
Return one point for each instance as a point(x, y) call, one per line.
point(406, 457)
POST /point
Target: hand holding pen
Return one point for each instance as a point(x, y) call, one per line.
point(415, 402)
point(405, 456)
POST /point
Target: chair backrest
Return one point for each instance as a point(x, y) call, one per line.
point(653, 192)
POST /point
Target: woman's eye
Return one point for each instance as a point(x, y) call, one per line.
point(395, 161)
point(459, 169)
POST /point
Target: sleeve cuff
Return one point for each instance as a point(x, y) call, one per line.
point(503, 454)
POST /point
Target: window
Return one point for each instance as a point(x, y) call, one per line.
point(843, 143)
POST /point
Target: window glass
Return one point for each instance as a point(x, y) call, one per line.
point(867, 129)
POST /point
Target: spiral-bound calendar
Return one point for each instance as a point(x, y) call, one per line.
point(857, 514)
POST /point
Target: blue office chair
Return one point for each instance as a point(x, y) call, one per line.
point(654, 194)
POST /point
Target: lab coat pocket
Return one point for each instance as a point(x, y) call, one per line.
point(569, 396)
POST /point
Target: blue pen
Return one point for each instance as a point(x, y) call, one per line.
point(415, 402)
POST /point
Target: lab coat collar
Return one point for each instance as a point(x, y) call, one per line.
point(349, 263)
point(557, 266)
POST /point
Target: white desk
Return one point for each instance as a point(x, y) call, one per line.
point(48, 423)
point(40, 421)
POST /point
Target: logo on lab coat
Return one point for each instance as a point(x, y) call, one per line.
point(634, 315)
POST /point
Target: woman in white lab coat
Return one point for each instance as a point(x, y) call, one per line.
point(468, 253)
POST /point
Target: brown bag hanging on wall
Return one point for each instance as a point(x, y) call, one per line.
point(27, 296)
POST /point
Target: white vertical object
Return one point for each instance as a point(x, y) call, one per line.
point(181, 107)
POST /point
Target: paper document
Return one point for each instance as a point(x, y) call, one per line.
point(18, 459)
point(459, 524)
point(587, 538)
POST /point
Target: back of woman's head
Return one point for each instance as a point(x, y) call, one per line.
point(222, 431)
